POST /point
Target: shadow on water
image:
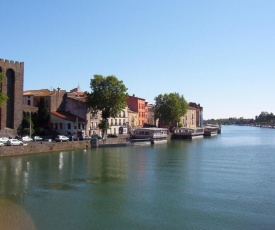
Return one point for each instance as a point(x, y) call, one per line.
point(13, 217)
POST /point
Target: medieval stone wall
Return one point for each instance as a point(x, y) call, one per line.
point(12, 85)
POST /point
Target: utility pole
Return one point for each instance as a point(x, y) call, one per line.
point(30, 124)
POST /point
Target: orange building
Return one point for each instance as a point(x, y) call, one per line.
point(138, 105)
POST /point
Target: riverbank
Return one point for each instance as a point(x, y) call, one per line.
point(43, 146)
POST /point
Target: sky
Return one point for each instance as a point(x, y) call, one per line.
point(217, 53)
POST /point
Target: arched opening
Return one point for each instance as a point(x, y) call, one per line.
point(10, 102)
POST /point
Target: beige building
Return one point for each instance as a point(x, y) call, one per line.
point(119, 124)
point(150, 115)
point(189, 120)
point(133, 119)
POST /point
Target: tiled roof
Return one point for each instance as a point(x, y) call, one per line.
point(37, 93)
point(67, 116)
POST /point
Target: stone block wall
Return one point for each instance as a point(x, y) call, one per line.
point(12, 111)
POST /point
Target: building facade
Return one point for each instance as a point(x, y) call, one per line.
point(119, 124)
point(11, 113)
point(199, 113)
point(138, 105)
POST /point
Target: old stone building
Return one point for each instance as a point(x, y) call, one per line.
point(11, 112)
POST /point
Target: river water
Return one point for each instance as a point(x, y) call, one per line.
point(222, 182)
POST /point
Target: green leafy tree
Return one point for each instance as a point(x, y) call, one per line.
point(26, 124)
point(170, 107)
point(3, 97)
point(108, 95)
point(43, 113)
point(41, 118)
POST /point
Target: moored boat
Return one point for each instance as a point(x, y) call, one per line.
point(145, 136)
point(187, 133)
point(217, 127)
point(210, 131)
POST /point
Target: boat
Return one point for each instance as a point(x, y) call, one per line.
point(187, 133)
point(214, 126)
point(148, 136)
point(210, 131)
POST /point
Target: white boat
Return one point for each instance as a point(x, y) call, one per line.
point(214, 126)
point(188, 133)
point(147, 136)
point(210, 131)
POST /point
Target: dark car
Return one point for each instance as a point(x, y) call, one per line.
point(112, 135)
point(96, 136)
point(73, 138)
point(85, 137)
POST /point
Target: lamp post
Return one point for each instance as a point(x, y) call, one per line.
point(30, 124)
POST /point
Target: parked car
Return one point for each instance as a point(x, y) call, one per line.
point(4, 140)
point(37, 138)
point(85, 137)
point(11, 142)
point(26, 139)
point(96, 136)
point(61, 138)
point(73, 138)
point(1, 144)
point(112, 135)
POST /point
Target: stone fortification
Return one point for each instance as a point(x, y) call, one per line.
point(12, 85)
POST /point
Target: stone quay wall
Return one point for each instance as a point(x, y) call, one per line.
point(45, 147)
point(42, 147)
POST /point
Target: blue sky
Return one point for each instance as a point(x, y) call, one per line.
point(219, 53)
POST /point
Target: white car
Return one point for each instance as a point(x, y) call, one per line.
point(1, 144)
point(26, 139)
point(37, 138)
point(61, 138)
point(4, 140)
point(14, 142)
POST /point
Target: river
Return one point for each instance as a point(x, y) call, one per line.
point(222, 182)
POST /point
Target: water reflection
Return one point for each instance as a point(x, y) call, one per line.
point(203, 184)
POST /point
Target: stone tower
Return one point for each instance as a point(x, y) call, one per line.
point(11, 113)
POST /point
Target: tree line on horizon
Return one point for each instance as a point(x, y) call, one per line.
point(263, 119)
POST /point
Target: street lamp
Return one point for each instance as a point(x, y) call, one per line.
point(30, 124)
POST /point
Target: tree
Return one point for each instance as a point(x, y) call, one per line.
point(41, 118)
point(3, 97)
point(108, 95)
point(170, 107)
point(26, 123)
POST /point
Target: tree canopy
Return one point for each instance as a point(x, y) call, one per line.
point(3, 97)
point(170, 107)
point(108, 95)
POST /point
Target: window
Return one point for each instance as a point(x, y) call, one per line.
point(60, 125)
point(69, 126)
